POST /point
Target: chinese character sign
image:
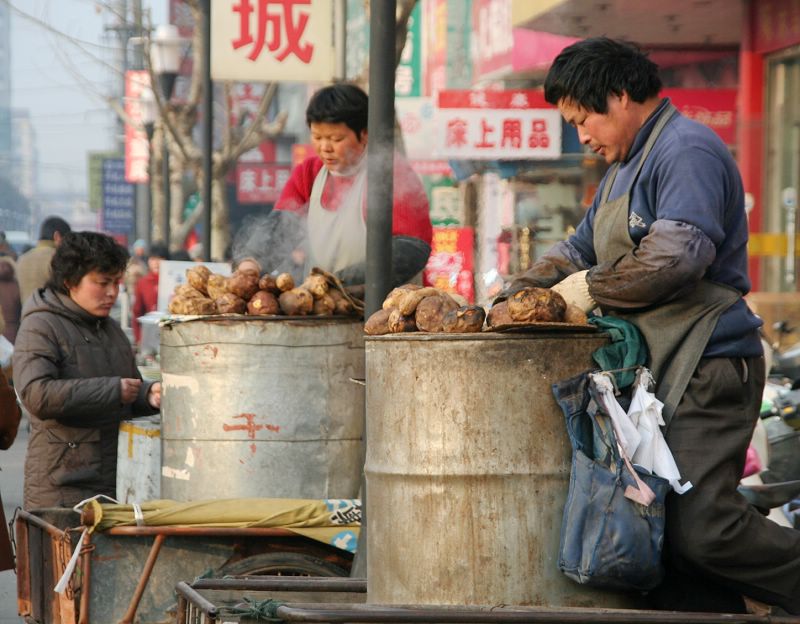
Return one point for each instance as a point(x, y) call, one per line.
point(272, 40)
point(258, 183)
point(119, 198)
point(137, 147)
point(496, 125)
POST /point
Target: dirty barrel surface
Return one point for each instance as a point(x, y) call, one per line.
point(261, 408)
point(467, 469)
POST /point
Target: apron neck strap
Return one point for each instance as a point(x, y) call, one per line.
point(663, 118)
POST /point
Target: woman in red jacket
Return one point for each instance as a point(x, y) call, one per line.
point(329, 190)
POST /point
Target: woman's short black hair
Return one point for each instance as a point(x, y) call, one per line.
point(587, 72)
point(82, 252)
point(339, 103)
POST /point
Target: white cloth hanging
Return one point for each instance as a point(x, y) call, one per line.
point(639, 430)
point(653, 452)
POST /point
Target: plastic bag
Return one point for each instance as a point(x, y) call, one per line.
point(607, 540)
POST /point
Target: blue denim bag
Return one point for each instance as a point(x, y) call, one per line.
point(607, 540)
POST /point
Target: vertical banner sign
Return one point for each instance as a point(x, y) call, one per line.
point(494, 49)
point(496, 125)
point(119, 198)
point(137, 147)
point(435, 33)
point(450, 266)
point(407, 82)
point(95, 170)
point(272, 40)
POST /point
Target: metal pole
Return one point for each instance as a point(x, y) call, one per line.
point(380, 152)
point(166, 188)
point(380, 165)
point(208, 128)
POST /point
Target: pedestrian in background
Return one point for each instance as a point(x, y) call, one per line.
point(10, 300)
point(145, 295)
point(9, 424)
point(76, 375)
point(33, 267)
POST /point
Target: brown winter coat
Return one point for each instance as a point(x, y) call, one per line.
point(67, 369)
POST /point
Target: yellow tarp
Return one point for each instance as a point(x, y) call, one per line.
point(332, 521)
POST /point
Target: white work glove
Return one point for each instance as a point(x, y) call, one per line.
point(575, 290)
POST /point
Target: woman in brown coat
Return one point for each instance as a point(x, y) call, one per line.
point(75, 373)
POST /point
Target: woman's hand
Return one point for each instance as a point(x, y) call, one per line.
point(154, 395)
point(129, 389)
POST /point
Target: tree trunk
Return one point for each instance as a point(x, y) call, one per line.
point(177, 200)
point(220, 222)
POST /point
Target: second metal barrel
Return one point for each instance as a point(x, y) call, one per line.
point(468, 465)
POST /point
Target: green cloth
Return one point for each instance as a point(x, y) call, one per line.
point(627, 350)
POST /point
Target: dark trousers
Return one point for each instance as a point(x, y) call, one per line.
point(712, 532)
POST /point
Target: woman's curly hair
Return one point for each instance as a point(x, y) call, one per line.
point(82, 252)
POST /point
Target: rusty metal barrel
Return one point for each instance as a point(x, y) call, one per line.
point(256, 407)
point(467, 468)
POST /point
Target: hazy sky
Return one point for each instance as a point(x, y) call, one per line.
point(63, 68)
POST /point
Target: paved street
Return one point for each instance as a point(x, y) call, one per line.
point(11, 464)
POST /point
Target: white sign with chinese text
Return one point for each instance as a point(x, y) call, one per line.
point(272, 40)
point(496, 125)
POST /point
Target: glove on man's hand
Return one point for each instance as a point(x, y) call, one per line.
point(575, 290)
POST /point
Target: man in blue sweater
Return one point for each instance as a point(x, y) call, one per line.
point(664, 245)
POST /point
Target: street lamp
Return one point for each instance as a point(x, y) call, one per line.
point(149, 112)
point(165, 59)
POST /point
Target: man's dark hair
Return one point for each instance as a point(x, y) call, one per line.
point(339, 103)
point(159, 250)
point(589, 71)
point(82, 252)
point(51, 225)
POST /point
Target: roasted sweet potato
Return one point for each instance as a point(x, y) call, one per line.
point(393, 298)
point(231, 304)
point(267, 282)
point(243, 284)
point(317, 285)
point(536, 305)
point(324, 305)
point(464, 320)
point(431, 311)
point(296, 302)
point(263, 302)
point(498, 315)
point(216, 286)
point(192, 305)
point(341, 305)
point(188, 292)
point(378, 323)
point(197, 277)
point(285, 282)
point(398, 323)
point(408, 302)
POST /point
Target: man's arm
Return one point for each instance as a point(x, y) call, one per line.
point(671, 259)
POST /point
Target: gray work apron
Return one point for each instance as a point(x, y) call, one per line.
point(676, 332)
point(336, 239)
